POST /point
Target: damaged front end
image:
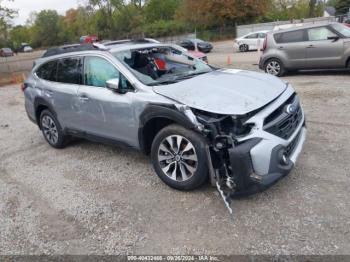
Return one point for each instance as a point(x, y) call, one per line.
point(248, 153)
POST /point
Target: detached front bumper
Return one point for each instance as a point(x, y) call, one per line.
point(245, 161)
point(262, 158)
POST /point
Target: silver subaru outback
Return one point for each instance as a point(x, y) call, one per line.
point(315, 46)
point(241, 130)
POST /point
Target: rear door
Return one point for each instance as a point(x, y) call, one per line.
point(58, 81)
point(292, 48)
point(323, 52)
point(252, 41)
point(64, 90)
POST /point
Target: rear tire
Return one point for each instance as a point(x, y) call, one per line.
point(179, 157)
point(52, 130)
point(274, 67)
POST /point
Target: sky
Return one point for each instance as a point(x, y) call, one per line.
point(25, 7)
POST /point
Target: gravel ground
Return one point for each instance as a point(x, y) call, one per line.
point(94, 199)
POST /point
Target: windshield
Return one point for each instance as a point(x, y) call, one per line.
point(345, 31)
point(161, 65)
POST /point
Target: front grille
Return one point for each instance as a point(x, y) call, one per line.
point(290, 148)
point(283, 123)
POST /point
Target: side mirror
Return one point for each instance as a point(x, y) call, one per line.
point(334, 38)
point(113, 84)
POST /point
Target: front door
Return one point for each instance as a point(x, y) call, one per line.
point(106, 113)
point(323, 52)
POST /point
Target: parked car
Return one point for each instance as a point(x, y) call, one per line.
point(317, 46)
point(27, 49)
point(243, 130)
point(196, 45)
point(251, 41)
point(347, 22)
point(88, 39)
point(5, 52)
point(24, 48)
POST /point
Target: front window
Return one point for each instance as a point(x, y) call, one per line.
point(320, 33)
point(97, 71)
point(252, 36)
point(161, 65)
point(345, 31)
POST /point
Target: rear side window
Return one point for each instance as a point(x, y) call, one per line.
point(69, 71)
point(290, 37)
point(48, 71)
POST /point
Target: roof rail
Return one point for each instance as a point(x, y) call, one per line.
point(73, 48)
point(130, 41)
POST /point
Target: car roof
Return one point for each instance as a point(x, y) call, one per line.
point(257, 32)
point(129, 46)
point(303, 26)
point(97, 50)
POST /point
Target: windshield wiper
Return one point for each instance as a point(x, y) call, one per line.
point(191, 75)
point(165, 82)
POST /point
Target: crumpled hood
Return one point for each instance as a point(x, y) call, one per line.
point(225, 91)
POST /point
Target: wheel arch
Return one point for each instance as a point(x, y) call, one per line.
point(41, 104)
point(156, 117)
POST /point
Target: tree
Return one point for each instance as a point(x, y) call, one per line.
point(208, 13)
point(312, 8)
point(6, 14)
point(103, 16)
point(342, 6)
point(19, 34)
point(161, 10)
point(46, 29)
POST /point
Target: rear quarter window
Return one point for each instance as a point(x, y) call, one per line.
point(48, 71)
point(69, 71)
point(290, 37)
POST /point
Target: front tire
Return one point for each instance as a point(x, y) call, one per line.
point(274, 67)
point(52, 130)
point(244, 48)
point(179, 157)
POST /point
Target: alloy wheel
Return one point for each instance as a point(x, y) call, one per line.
point(273, 67)
point(177, 158)
point(50, 129)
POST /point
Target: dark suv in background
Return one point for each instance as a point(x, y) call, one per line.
point(317, 46)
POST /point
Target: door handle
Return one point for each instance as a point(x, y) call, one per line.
point(48, 93)
point(311, 46)
point(280, 47)
point(83, 98)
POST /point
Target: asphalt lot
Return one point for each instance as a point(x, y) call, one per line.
point(95, 199)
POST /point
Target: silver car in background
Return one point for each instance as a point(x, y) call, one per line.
point(317, 46)
point(243, 130)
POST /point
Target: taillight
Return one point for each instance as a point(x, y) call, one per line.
point(264, 44)
point(23, 86)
